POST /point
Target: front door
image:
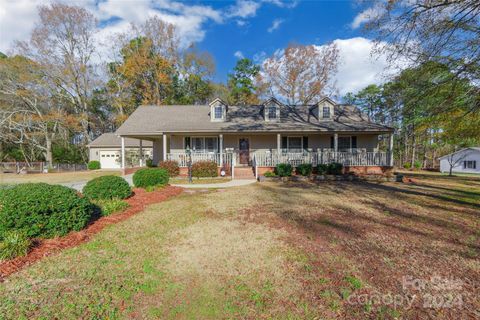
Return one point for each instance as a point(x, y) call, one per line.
point(244, 147)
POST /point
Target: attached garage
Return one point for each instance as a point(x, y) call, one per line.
point(107, 149)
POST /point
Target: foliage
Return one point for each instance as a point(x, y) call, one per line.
point(322, 169)
point(335, 168)
point(171, 166)
point(109, 206)
point(68, 153)
point(417, 164)
point(269, 174)
point(204, 169)
point(149, 163)
point(14, 244)
point(284, 169)
point(407, 165)
point(304, 169)
point(43, 210)
point(93, 165)
point(149, 177)
point(107, 187)
point(242, 82)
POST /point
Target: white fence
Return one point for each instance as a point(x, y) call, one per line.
point(271, 159)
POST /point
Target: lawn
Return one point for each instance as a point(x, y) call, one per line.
point(56, 177)
point(272, 250)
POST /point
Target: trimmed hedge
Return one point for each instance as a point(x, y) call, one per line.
point(284, 169)
point(204, 169)
point(149, 177)
point(332, 168)
point(305, 169)
point(107, 187)
point(93, 165)
point(43, 210)
point(171, 166)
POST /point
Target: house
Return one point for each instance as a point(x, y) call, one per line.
point(107, 149)
point(261, 136)
point(466, 160)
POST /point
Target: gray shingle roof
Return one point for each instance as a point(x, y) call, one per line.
point(196, 118)
point(113, 140)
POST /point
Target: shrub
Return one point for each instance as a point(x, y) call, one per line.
point(407, 165)
point(322, 169)
point(109, 206)
point(417, 164)
point(171, 166)
point(305, 169)
point(335, 168)
point(284, 169)
point(107, 187)
point(149, 163)
point(150, 177)
point(203, 169)
point(43, 210)
point(14, 244)
point(93, 165)
point(269, 174)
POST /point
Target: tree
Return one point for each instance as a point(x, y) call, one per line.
point(446, 32)
point(63, 44)
point(241, 82)
point(301, 74)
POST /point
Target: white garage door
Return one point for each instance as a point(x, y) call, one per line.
point(109, 159)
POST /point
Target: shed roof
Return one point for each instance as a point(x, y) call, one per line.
point(113, 140)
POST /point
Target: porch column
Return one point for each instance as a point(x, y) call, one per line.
point(141, 153)
point(220, 140)
point(335, 142)
point(123, 153)
point(279, 142)
point(164, 147)
point(390, 150)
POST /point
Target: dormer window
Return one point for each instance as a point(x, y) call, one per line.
point(326, 112)
point(326, 109)
point(218, 110)
point(271, 111)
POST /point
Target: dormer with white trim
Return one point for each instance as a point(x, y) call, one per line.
point(218, 110)
point(271, 110)
point(325, 109)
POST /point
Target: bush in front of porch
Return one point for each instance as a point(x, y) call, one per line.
point(204, 169)
point(284, 169)
point(150, 177)
point(171, 166)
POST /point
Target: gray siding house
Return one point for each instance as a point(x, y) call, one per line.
point(259, 136)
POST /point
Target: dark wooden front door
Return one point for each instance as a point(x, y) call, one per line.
point(244, 147)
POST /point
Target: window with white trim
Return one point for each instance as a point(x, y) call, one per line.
point(218, 112)
point(201, 144)
point(272, 113)
point(326, 112)
point(470, 164)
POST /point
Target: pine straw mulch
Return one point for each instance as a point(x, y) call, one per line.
point(46, 247)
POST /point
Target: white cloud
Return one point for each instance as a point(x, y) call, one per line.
point(238, 55)
point(275, 25)
point(243, 9)
point(366, 15)
point(358, 68)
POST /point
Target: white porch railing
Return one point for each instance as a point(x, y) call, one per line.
point(183, 158)
point(271, 159)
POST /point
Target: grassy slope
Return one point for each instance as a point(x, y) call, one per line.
point(61, 177)
point(268, 250)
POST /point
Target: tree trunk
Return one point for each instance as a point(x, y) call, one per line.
point(413, 150)
point(48, 152)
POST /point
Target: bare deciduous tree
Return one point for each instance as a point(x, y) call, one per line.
point(300, 74)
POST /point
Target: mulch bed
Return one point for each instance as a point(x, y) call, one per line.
point(46, 247)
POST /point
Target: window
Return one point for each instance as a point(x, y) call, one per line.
point(218, 110)
point(202, 144)
point(470, 164)
point(272, 112)
point(344, 144)
point(326, 112)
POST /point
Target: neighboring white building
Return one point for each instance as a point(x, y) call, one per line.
point(466, 160)
point(107, 149)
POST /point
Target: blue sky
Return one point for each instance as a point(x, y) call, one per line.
point(231, 29)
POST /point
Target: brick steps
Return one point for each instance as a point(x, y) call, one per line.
point(244, 173)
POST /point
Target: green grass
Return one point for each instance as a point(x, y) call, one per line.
point(269, 250)
point(198, 180)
